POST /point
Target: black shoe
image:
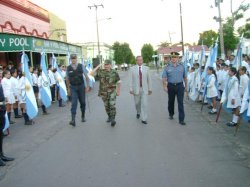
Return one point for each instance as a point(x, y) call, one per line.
point(28, 122)
point(62, 105)
point(231, 124)
point(108, 120)
point(83, 119)
point(6, 159)
point(73, 123)
point(12, 122)
point(113, 122)
point(144, 122)
point(2, 162)
point(18, 116)
point(137, 116)
point(182, 123)
point(45, 113)
point(171, 117)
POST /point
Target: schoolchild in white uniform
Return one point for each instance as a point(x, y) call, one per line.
point(243, 80)
point(231, 96)
point(212, 92)
point(14, 82)
point(8, 93)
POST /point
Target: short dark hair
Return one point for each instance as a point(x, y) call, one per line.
point(233, 69)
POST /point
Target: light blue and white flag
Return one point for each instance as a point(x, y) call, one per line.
point(238, 58)
point(89, 68)
point(31, 105)
point(7, 122)
point(68, 59)
point(60, 80)
point(45, 86)
point(192, 58)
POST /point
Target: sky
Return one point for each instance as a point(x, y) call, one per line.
point(138, 22)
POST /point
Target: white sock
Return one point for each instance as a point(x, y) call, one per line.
point(214, 110)
point(235, 118)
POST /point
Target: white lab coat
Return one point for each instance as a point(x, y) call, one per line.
point(8, 90)
point(211, 88)
point(232, 87)
point(243, 84)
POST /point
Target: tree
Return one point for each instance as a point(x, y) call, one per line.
point(147, 52)
point(123, 53)
point(207, 38)
point(245, 29)
point(164, 44)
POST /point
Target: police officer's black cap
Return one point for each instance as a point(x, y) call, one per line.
point(174, 54)
point(107, 62)
point(73, 56)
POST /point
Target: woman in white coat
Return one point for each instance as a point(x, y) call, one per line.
point(212, 91)
point(231, 96)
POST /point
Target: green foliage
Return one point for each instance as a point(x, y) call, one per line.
point(147, 52)
point(164, 44)
point(245, 29)
point(123, 53)
point(230, 40)
point(207, 38)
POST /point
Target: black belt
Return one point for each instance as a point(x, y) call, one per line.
point(175, 84)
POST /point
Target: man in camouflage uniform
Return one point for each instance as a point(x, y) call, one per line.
point(109, 88)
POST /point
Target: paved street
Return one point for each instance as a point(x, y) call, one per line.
point(160, 154)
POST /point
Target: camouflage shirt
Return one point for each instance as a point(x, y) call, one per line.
point(108, 80)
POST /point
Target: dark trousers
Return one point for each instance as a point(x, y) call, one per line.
point(53, 92)
point(176, 90)
point(2, 123)
point(77, 93)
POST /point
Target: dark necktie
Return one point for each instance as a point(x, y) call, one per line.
point(140, 76)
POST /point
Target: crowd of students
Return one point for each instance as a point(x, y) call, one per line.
point(224, 82)
point(13, 84)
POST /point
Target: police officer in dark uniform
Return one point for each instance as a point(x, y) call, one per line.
point(76, 87)
point(3, 158)
point(173, 79)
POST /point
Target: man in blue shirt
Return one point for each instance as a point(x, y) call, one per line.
point(173, 79)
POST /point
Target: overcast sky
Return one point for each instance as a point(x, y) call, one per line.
point(138, 21)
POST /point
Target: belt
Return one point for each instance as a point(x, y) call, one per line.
point(175, 84)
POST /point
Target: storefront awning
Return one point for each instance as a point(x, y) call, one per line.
point(15, 43)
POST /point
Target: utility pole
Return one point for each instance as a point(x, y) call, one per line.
point(219, 19)
point(97, 30)
point(182, 42)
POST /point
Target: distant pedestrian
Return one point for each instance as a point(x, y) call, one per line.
point(109, 88)
point(173, 78)
point(76, 87)
point(140, 87)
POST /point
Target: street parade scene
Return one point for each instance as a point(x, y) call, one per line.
point(140, 93)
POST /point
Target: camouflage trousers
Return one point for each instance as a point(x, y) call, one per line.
point(109, 100)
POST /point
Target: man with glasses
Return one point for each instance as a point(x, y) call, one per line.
point(173, 79)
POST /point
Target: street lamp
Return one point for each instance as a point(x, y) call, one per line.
point(97, 31)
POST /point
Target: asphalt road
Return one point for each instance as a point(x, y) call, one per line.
point(160, 154)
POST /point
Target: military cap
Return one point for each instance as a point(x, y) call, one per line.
point(73, 56)
point(176, 54)
point(107, 62)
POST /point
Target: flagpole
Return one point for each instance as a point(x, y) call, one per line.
point(182, 42)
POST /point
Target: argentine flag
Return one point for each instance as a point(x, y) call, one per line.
point(45, 87)
point(31, 105)
point(7, 123)
point(89, 68)
point(60, 80)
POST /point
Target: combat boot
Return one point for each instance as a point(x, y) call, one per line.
point(73, 122)
point(113, 122)
point(83, 117)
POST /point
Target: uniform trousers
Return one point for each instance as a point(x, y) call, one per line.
point(141, 104)
point(109, 100)
point(176, 90)
point(2, 123)
point(77, 93)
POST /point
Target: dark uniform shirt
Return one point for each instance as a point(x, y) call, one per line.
point(174, 74)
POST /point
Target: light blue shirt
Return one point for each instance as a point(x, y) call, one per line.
point(174, 74)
